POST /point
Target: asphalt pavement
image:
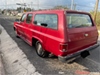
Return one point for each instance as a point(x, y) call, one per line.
point(52, 66)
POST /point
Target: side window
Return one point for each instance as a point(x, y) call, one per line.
point(50, 19)
point(29, 18)
point(23, 18)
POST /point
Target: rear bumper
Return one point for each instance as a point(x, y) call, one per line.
point(65, 58)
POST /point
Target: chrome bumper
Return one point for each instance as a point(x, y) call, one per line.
point(65, 58)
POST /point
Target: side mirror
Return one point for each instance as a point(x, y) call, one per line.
point(44, 24)
point(35, 22)
point(17, 20)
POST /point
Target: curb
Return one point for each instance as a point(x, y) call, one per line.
point(2, 71)
point(14, 59)
point(0, 30)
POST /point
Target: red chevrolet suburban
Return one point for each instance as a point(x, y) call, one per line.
point(64, 33)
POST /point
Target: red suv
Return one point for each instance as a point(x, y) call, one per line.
point(65, 34)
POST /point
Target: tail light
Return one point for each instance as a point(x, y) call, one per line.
point(63, 47)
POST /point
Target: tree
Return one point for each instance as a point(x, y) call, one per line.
point(19, 9)
point(97, 18)
point(60, 7)
point(28, 9)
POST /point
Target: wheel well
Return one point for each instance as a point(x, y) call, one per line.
point(14, 28)
point(34, 40)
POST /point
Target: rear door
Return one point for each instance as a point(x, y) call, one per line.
point(47, 30)
point(82, 32)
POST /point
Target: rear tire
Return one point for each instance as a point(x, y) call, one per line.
point(40, 51)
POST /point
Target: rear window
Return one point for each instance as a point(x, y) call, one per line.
point(75, 20)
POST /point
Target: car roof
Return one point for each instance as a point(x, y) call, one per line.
point(60, 10)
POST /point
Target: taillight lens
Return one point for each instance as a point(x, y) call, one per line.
point(63, 47)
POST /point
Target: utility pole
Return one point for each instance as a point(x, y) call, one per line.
point(38, 4)
point(72, 3)
point(96, 10)
point(74, 6)
point(6, 4)
point(31, 6)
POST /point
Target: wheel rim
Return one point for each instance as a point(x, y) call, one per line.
point(40, 51)
point(15, 32)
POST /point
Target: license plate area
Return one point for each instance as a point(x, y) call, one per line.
point(84, 54)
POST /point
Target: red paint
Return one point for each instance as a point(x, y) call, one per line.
point(54, 39)
point(82, 72)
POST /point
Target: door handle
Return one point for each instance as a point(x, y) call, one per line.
point(86, 35)
point(20, 23)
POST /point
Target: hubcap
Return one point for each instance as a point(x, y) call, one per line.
point(39, 49)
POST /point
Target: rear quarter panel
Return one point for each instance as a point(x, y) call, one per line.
point(77, 39)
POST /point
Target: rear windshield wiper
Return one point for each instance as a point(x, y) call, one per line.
point(78, 26)
point(81, 26)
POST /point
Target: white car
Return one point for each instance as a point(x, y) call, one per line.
point(19, 14)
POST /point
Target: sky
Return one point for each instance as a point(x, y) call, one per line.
point(83, 5)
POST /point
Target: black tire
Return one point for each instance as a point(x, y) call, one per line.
point(40, 51)
point(16, 34)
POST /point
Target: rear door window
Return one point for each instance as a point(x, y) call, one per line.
point(75, 20)
point(50, 19)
